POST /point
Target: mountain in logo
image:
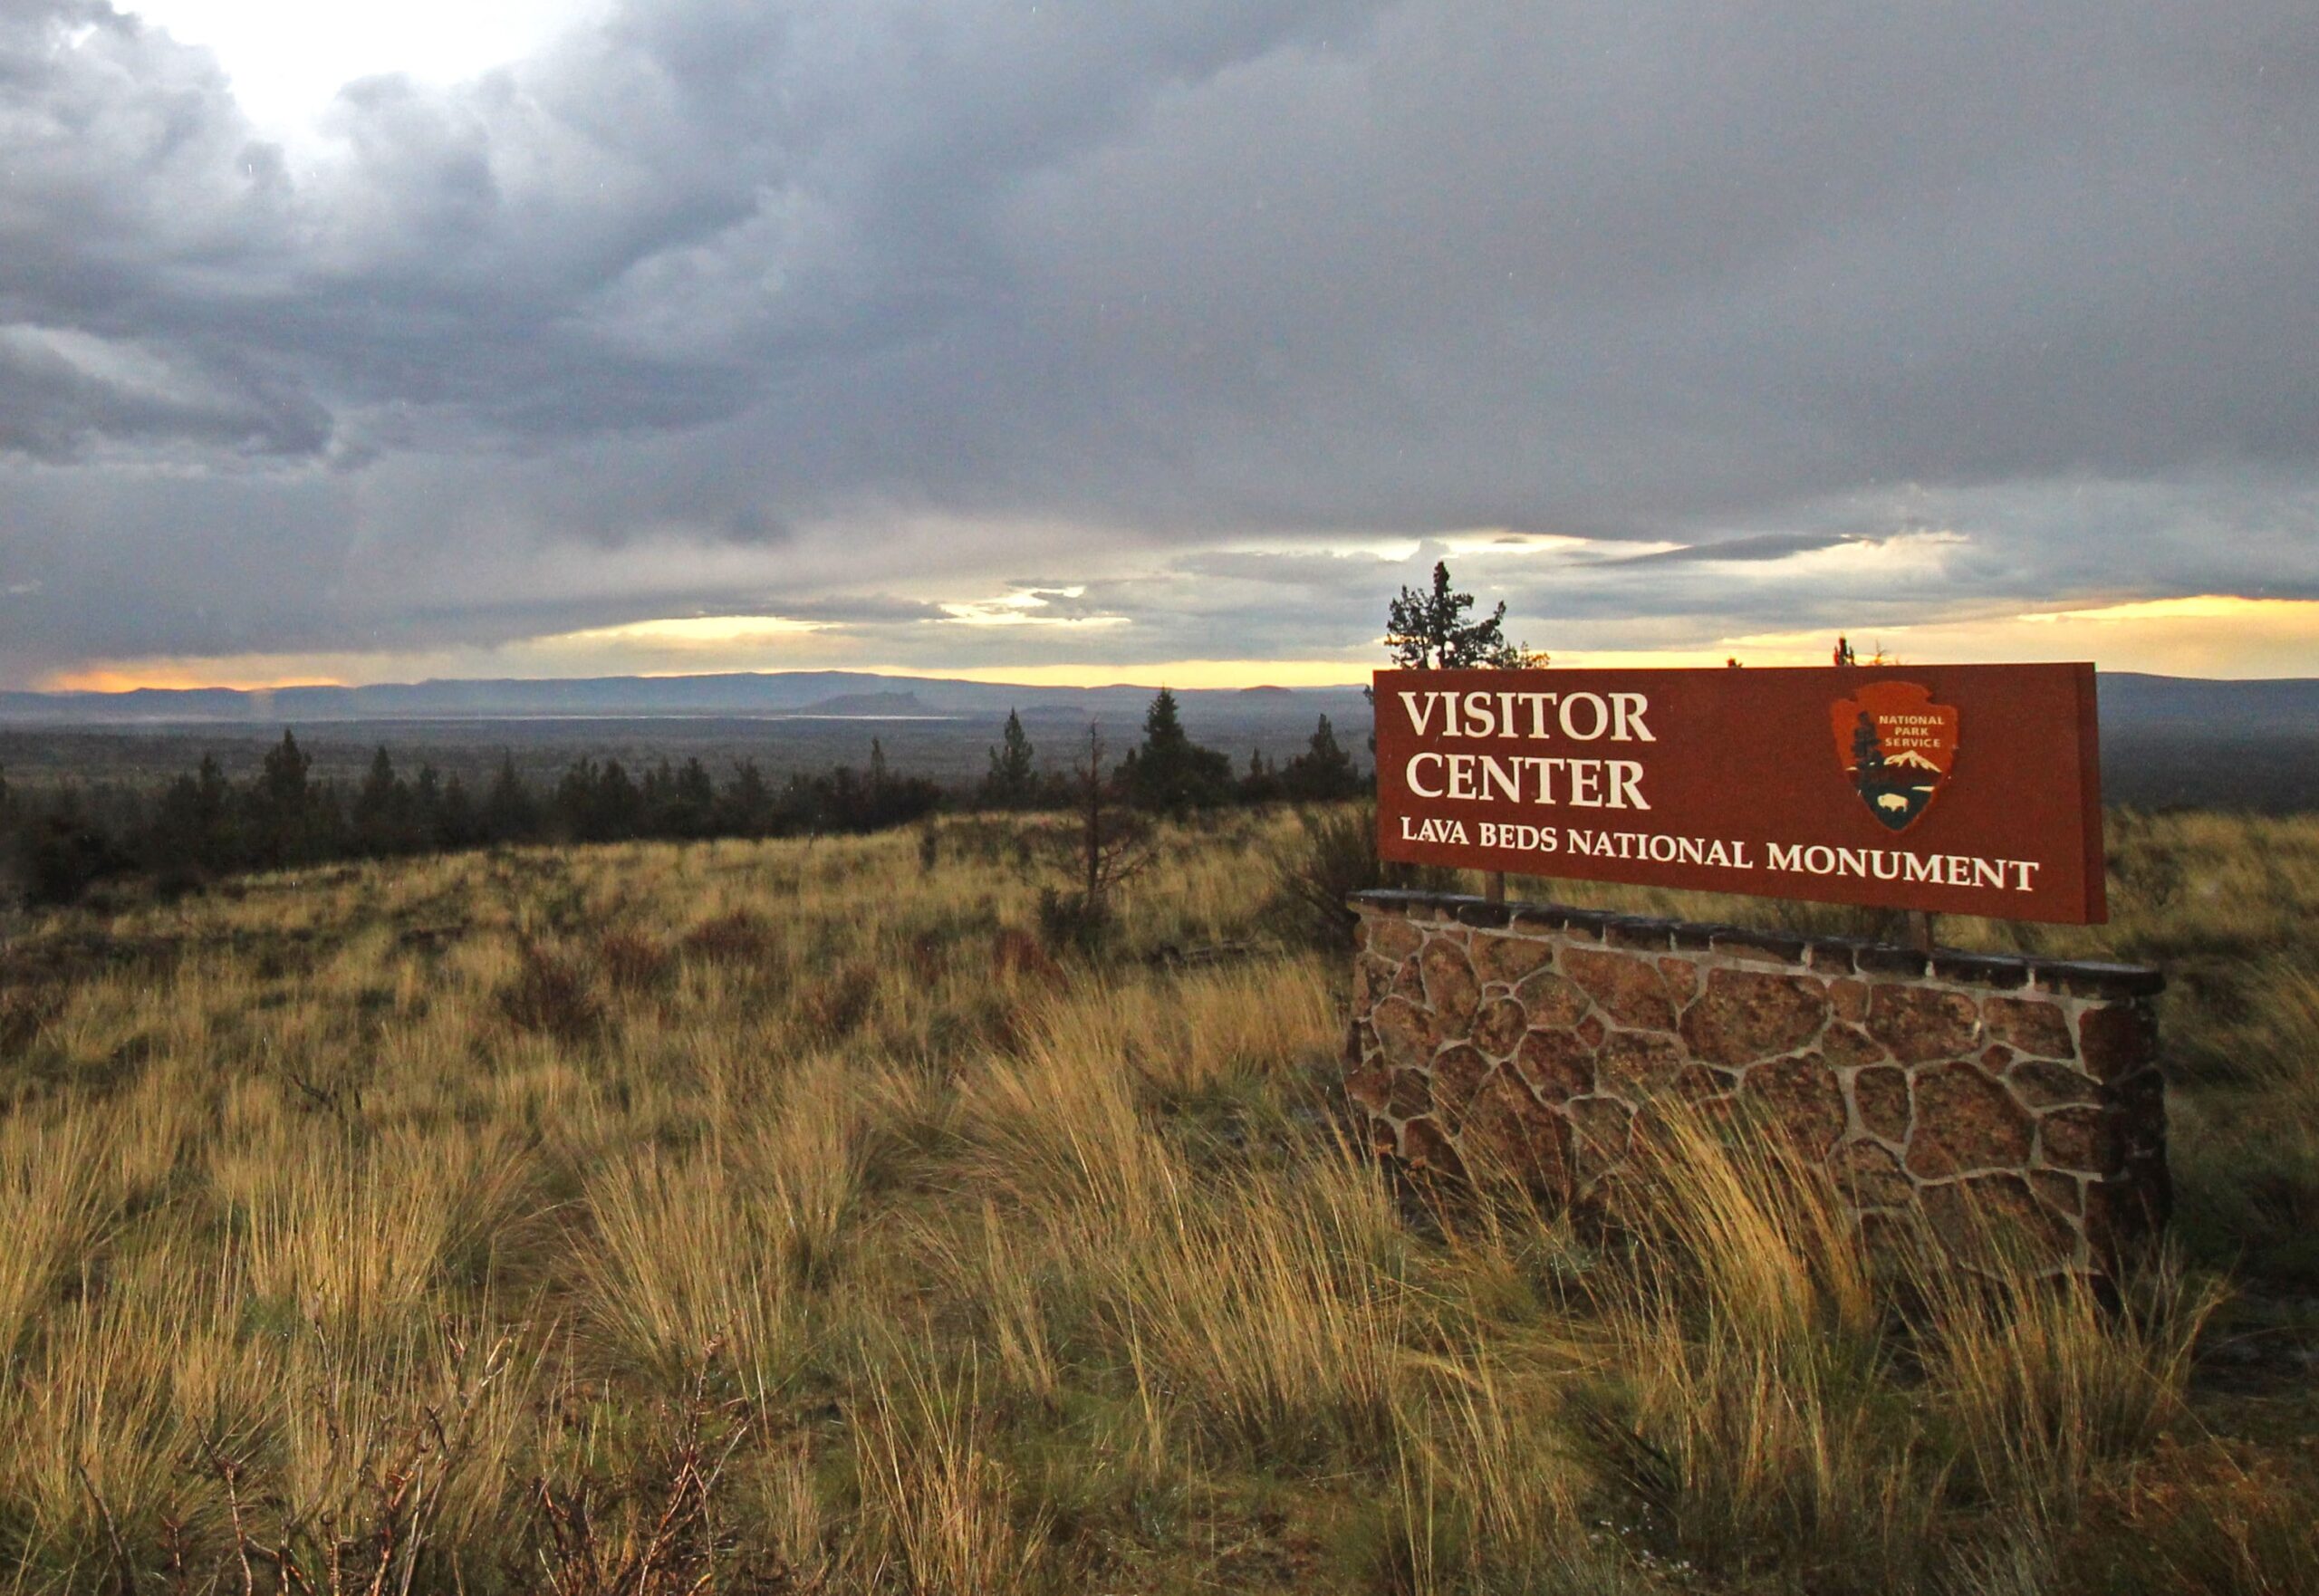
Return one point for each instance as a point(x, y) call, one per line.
point(1897, 746)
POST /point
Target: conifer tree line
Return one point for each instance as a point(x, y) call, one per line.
point(204, 826)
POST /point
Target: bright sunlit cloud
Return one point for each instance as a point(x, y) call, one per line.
point(2214, 635)
point(289, 58)
point(2211, 635)
point(708, 633)
point(1025, 606)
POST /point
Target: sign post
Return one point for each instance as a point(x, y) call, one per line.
point(1956, 789)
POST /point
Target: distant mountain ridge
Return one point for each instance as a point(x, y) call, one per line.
point(2131, 702)
point(844, 693)
point(874, 706)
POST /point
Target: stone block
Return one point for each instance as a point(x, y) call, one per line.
point(1371, 1088)
point(1458, 1070)
point(1550, 999)
point(2045, 1085)
point(2117, 1040)
point(1848, 1046)
point(1557, 1064)
point(1882, 958)
point(1698, 1083)
point(1411, 1096)
point(2074, 1139)
point(1881, 1095)
point(1744, 1014)
point(1799, 1098)
point(1450, 988)
point(1586, 925)
point(1504, 960)
point(1920, 1023)
point(1965, 1120)
point(1508, 1128)
point(1640, 933)
point(2032, 1025)
point(1404, 1034)
point(2063, 1193)
point(1998, 1210)
point(1499, 1026)
point(1601, 1126)
point(1393, 938)
point(1870, 1176)
point(1760, 947)
point(1637, 1064)
point(1980, 969)
point(1424, 1147)
point(1628, 989)
point(1832, 956)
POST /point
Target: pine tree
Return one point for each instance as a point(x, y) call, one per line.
point(1011, 781)
point(282, 806)
point(618, 807)
point(510, 813)
point(1429, 631)
point(1323, 770)
point(210, 818)
point(456, 824)
point(1170, 774)
point(1261, 783)
point(382, 809)
point(746, 807)
point(694, 809)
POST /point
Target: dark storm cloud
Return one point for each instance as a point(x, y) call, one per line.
point(701, 309)
point(63, 394)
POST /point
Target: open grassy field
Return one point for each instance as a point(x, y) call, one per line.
point(784, 1217)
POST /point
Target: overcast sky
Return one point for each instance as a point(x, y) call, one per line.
point(1107, 337)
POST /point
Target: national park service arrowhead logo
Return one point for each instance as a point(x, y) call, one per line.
point(1897, 746)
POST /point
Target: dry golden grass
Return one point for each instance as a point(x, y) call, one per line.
point(783, 1213)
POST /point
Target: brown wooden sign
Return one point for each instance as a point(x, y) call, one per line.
point(1958, 789)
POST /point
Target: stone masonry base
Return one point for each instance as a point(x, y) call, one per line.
point(1942, 1088)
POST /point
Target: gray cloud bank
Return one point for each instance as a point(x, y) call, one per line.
point(795, 307)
